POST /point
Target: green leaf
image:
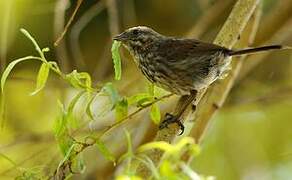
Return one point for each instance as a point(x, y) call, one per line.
point(65, 142)
point(88, 107)
point(67, 154)
point(121, 109)
point(117, 59)
point(60, 129)
point(79, 80)
point(129, 154)
point(42, 77)
point(78, 164)
point(46, 49)
point(11, 66)
point(129, 142)
point(60, 124)
point(128, 177)
point(162, 145)
point(105, 151)
point(87, 79)
point(167, 171)
point(112, 92)
point(37, 47)
point(74, 79)
point(140, 99)
point(172, 149)
point(69, 115)
point(155, 113)
point(30, 174)
point(74, 101)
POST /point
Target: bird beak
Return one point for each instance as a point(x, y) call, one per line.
point(120, 37)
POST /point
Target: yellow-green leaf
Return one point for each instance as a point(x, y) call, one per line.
point(112, 92)
point(117, 59)
point(140, 99)
point(42, 77)
point(105, 151)
point(121, 109)
point(88, 108)
point(162, 145)
point(128, 177)
point(74, 101)
point(155, 113)
point(11, 66)
point(70, 118)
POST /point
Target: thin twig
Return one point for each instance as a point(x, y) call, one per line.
point(79, 2)
point(109, 128)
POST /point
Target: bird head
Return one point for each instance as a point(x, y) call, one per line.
point(137, 36)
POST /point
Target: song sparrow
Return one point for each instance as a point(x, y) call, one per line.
point(179, 65)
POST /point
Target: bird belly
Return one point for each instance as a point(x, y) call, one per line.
point(164, 78)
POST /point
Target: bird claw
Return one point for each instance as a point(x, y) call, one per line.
point(169, 119)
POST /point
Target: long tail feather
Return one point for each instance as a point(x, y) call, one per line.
point(257, 49)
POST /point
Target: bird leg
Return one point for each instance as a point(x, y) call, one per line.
point(181, 106)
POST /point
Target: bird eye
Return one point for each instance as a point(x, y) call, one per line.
point(135, 32)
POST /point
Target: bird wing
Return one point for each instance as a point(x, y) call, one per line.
point(189, 59)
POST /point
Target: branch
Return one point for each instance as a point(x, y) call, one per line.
point(280, 35)
point(79, 2)
point(217, 93)
point(112, 10)
point(59, 21)
point(227, 37)
point(208, 18)
point(90, 141)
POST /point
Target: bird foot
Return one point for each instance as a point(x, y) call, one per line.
point(170, 119)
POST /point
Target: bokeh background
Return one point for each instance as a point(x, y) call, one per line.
point(250, 137)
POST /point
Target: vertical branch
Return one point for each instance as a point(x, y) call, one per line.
point(113, 14)
point(59, 21)
point(270, 24)
point(236, 22)
point(281, 31)
point(114, 28)
point(227, 37)
point(216, 95)
point(129, 18)
point(208, 17)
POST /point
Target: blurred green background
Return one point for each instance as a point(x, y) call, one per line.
point(250, 137)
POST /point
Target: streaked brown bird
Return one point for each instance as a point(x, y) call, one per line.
point(181, 66)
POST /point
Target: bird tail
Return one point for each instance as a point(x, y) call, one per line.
point(256, 50)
